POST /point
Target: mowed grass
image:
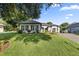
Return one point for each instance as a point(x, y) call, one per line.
point(42, 44)
point(6, 36)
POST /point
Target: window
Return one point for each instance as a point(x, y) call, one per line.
point(26, 27)
point(22, 27)
point(37, 27)
point(1, 26)
point(32, 27)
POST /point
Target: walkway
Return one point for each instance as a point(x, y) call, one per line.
point(71, 36)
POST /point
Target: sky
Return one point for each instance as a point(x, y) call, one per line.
point(67, 12)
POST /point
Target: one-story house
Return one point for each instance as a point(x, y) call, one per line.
point(44, 27)
point(73, 28)
point(30, 26)
point(54, 28)
point(50, 28)
point(35, 26)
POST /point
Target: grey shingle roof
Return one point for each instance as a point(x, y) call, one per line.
point(74, 25)
point(35, 22)
point(29, 22)
point(45, 24)
point(55, 25)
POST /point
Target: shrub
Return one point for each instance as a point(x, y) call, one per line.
point(19, 31)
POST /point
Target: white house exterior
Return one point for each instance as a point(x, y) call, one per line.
point(30, 26)
point(54, 28)
point(50, 28)
point(73, 28)
point(44, 27)
point(1, 27)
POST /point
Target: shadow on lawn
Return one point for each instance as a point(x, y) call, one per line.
point(35, 37)
point(6, 36)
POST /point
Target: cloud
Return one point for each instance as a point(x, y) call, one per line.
point(66, 17)
point(69, 15)
point(71, 7)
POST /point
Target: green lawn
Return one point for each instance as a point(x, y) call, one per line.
point(40, 45)
point(6, 36)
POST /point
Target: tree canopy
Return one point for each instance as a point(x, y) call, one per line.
point(14, 12)
point(50, 23)
point(64, 26)
point(20, 11)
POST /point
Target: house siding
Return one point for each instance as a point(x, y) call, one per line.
point(34, 29)
point(1, 28)
point(74, 28)
point(54, 29)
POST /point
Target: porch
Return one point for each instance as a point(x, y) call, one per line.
point(30, 28)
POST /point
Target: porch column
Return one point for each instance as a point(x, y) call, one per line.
point(29, 27)
point(24, 27)
point(57, 29)
point(20, 27)
point(39, 27)
point(44, 29)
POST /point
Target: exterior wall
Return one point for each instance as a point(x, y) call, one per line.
point(54, 29)
point(1, 28)
point(58, 29)
point(35, 29)
point(51, 29)
point(39, 29)
point(74, 30)
point(43, 28)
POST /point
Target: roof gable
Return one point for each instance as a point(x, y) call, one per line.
point(74, 25)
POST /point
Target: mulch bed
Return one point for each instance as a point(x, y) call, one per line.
point(4, 45)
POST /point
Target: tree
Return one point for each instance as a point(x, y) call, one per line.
point(15, 12)
point(20, 11)
point(50, 23)
point(64, 26)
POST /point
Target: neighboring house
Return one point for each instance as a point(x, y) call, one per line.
point(30, 26)
point(54, 28)
point(44, 27)
point(50, 28)
point(73, 28)
point(1, 27)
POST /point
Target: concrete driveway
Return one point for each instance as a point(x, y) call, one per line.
point(71, 36)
